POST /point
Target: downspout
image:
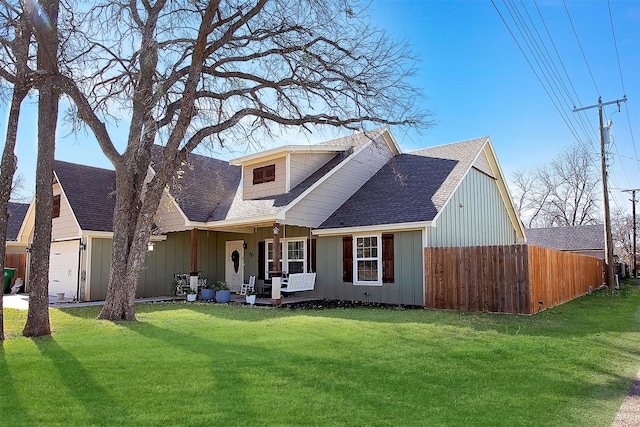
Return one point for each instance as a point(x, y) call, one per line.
point(81, 247)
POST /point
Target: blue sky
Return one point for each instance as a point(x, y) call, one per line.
point(479, 83)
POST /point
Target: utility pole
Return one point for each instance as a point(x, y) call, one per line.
point(608, 240)
point(633, 213)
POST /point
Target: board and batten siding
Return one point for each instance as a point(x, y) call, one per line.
point(65, 226)
point(174, 256)
point(475, 216)
point(406, 289)
point(323, 200)
point(303, 165)
point(265, 189)
point(168, 217)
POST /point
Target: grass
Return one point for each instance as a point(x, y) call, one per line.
point(206, 364)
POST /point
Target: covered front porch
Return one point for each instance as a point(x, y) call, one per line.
point(232, 254)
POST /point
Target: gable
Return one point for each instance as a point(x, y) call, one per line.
point(474, 216)
point(63, 225)
point(17, 214)
point(90, 193)
point(203, 187)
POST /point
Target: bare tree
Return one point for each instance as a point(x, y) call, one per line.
point(562, 193)
point(530, 196)
point(43, 17)
point(622, 234)
point(14, 39)
point(216, 71)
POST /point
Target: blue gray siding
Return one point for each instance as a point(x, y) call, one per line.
point(407, 288)
point(475, 216)
point(174, 256)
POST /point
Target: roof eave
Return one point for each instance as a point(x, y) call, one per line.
point(406, 226)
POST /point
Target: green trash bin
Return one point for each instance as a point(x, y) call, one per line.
point(8, 275)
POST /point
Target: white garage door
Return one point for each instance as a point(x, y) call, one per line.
point(63, 268)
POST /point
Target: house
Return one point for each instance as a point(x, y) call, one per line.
point(355, 210)
point(580, 239)
point(16, 244)
point(371, 248)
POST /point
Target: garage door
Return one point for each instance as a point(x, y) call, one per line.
point(63, 268)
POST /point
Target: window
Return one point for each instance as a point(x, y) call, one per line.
point(270, 257)
point(295, 256)
point(293, 260)
point(264, 174)
point(367, 260)
point(56, 207)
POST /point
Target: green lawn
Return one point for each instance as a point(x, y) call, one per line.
point(205, 364)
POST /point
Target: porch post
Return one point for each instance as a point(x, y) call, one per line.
point(194, 251)
point(193, 277)
point(276, 273)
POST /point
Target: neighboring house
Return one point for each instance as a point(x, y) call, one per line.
point(355, 210)
point(16, 244)
point(580, 239)
point(17, 213)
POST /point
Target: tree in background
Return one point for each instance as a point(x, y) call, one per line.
point(561, 193)
point(186, 72)
point(622, 235)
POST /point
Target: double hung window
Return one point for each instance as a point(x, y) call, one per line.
point(367, 260)
point(293, 260)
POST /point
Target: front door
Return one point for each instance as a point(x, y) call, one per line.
point(234, 264)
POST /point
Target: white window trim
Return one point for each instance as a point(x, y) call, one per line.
point(378, 259)
point(284, 257)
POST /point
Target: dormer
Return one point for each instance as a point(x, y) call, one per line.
point(278, 170)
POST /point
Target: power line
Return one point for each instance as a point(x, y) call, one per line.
point(544, 67)
point(573, 131)
point(615, 44)
point(580, 45)
point(581, 117)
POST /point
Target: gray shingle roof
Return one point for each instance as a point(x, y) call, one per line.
point(411, 187)
point(204, 187)
point(17, 212)
point(90, 192)
point(577, 238)
point(209, 189)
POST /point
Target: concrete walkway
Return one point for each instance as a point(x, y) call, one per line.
point(21, 301)
point(629, 412)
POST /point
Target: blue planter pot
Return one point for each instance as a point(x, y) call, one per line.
point(207, 294)
point(223, 296)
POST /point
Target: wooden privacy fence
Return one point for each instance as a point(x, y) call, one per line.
point(506, 279)
point(19, 262)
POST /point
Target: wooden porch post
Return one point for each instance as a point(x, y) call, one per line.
point(275, 273)
point(194, 251)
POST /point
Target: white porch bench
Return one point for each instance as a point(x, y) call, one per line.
point(299, 282)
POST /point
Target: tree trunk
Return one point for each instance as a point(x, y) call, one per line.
point(8, 168)
point(131, 232)
point(47, 37)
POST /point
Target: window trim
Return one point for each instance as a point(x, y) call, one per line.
point(378, 260)
point(284, 255)
point(264, 174)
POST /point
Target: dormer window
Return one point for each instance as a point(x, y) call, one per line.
point(56, 207)
point(264, 174)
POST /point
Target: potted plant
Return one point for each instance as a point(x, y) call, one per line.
point(191, 294)
point(223, 294)
point(250, 296)
point(208, 292)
